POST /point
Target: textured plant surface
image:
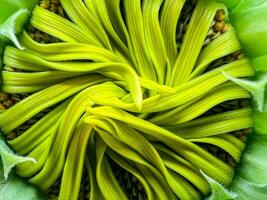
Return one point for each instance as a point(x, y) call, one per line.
point(132, 85)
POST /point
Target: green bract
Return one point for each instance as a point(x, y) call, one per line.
point(13, 17)
point(249, 19)
point(142, 86)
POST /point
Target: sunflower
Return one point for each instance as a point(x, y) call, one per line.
point(131, 99)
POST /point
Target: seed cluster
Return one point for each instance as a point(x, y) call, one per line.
point(132, 94)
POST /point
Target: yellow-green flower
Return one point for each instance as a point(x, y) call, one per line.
point(153, 90)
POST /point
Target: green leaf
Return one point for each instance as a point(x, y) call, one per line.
point(218, 191)
point(250, 181)
point(12, 6)
point(12, 187)
point(14, 14)
point(13, 18)
point(16, 188)
point(12, 26)
point(260, 63)
point(256, 88)
point(230, 3)
point(260, 120)
point(9, 159)
point(249, 20)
